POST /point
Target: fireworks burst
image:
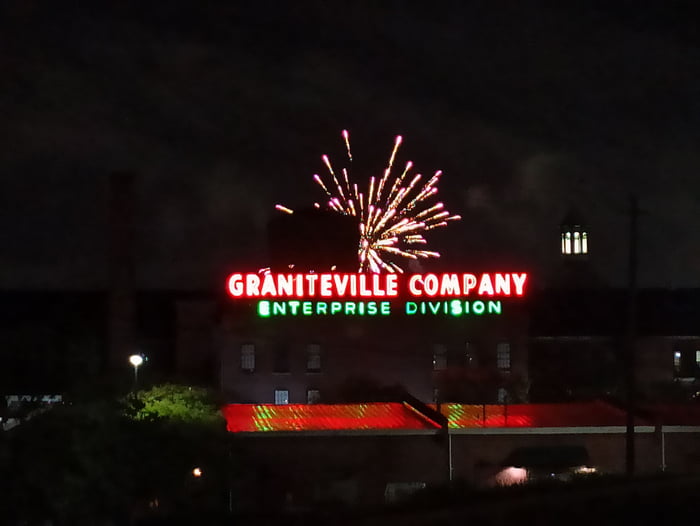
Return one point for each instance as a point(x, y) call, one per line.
point(394, 213)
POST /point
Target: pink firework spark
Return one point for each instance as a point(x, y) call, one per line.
point(393, 214)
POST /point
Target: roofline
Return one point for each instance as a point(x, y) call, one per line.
point(338, 432)
point(609, 338)
point(565, 430)
point(680, 429)
point(570, 430)
point(593, 337)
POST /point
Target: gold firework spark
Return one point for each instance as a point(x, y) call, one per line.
point(393, 215)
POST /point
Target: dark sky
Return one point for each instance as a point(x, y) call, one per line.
point(224, 109)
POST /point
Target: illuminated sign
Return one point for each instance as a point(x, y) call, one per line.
point(336, 294)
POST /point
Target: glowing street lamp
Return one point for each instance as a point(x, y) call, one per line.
point(196, 473)
point(136, 360)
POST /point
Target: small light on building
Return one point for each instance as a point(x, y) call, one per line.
point(196, 473)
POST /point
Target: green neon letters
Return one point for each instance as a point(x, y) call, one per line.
point(453, 307)
point(267, 308)
point(456, 308)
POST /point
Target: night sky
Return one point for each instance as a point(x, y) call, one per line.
point(223, 109)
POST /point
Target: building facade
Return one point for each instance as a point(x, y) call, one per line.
point(348, 358)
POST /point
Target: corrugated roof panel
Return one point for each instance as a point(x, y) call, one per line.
point(323, 417)
point(401, 416)
point(581, 414)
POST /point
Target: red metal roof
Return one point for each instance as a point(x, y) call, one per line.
point(578, 414)
point(401, 416)
point(322, 417)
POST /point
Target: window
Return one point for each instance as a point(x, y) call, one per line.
point(313, 396)
point(439, 357)
point(502, 395)
point(469, 355)
point(281, 360)
point(697, 358)
point(248, 357)
point(281, 396)
point(574, 241)
point(313, 358)
point(577, 242)
point(503, 356)
point(677, 363)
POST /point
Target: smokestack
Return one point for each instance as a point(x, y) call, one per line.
point(121, 269)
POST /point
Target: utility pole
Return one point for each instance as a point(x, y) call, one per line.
point(629, 362)
point(446, 430)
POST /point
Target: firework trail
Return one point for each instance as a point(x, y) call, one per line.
point(393, 215)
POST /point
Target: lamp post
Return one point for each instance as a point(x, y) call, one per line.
point(136, 360)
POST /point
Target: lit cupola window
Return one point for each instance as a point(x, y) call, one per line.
point(574, 236)
point(566, 243)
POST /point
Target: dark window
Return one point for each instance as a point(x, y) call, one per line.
point(502, 395)
point(503, 356)
point(686, 363)
point(469, 355)
point(313, 358)
point(313, 396)
point(439, 357)
point(248, 357)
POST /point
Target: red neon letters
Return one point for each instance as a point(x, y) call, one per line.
point(375, 285)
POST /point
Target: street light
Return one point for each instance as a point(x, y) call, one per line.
point(136, 360)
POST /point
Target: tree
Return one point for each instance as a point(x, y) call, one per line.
point(116, 458)
point(180, 428)
point(177, 404)
point(70, 464)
